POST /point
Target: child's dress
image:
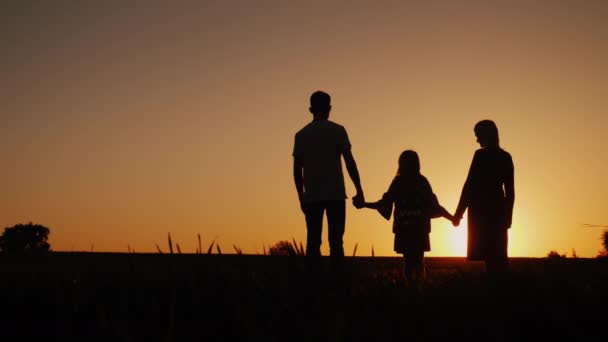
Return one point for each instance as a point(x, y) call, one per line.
point(414, 205)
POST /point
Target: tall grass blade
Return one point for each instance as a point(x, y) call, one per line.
point(298, 250)
point(179, 250)
point(295, 245)
point(302, 249)
point(293, 248)
point(200, 249)
point(373, 251)
point(219, 250)
point(158, 248)
point(264, 248)
point(170, 243)
point(210, 247)
point(355, 249)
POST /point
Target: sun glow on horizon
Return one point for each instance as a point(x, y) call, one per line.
point(457, 239)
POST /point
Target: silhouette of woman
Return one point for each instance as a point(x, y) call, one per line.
point(488, 194)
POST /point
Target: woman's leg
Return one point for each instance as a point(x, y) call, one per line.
point(497, 261)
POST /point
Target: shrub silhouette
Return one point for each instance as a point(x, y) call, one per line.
point(25, 239)
point(605, 240)
point(555, 255)
point(282, 248)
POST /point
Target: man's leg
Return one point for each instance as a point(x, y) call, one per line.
point(336, 214)
point(314, 226)
point(336, 217)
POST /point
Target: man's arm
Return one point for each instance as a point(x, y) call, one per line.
point(298, 179)
point(353, 172)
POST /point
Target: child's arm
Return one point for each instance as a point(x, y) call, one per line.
point(440, 211)
point(444, 213)
point(383, 206)
point(371, 205)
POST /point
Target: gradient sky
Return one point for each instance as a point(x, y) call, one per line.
point(122, 121)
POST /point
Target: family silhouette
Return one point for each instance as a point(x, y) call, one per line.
point(487, 196)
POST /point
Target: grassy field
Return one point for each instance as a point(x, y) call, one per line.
point(67, 296)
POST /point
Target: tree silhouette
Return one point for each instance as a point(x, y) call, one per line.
point(25, 239)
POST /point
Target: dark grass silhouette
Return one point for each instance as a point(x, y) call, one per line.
point(200, 297)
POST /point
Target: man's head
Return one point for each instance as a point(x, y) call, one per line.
point(320, 104)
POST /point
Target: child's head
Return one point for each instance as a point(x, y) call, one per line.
point(320, 104)
point(409, 163)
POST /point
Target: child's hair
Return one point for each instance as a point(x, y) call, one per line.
point(409, 163)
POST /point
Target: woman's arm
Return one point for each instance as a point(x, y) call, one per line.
point(509, 192)
point(465, 195)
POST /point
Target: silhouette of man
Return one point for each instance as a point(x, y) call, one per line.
point(317, 171)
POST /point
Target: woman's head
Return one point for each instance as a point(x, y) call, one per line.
point(486, 133)
point(409, 163)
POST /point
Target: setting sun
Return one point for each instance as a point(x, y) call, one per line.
point(457, 239)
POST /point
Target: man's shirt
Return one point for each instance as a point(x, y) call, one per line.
point(319, 147)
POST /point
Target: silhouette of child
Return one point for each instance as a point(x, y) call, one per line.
point(414, 205)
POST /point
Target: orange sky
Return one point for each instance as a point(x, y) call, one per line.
point(122, 122)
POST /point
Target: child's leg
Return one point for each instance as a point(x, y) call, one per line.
point(418, 264)
point(407, 269)
point(414, 265)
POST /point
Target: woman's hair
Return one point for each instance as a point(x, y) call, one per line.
point(409, 163)
point(487, 130)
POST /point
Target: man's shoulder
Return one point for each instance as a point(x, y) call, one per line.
point(320, 126)
point(335, 125)
point(303, 129)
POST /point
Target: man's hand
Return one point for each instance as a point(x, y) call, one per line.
point(456, 221)
point(358, 201)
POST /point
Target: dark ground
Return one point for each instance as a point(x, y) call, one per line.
point(161, 297)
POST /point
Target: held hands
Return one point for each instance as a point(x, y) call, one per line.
point(455, 220)
point(359, 201)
